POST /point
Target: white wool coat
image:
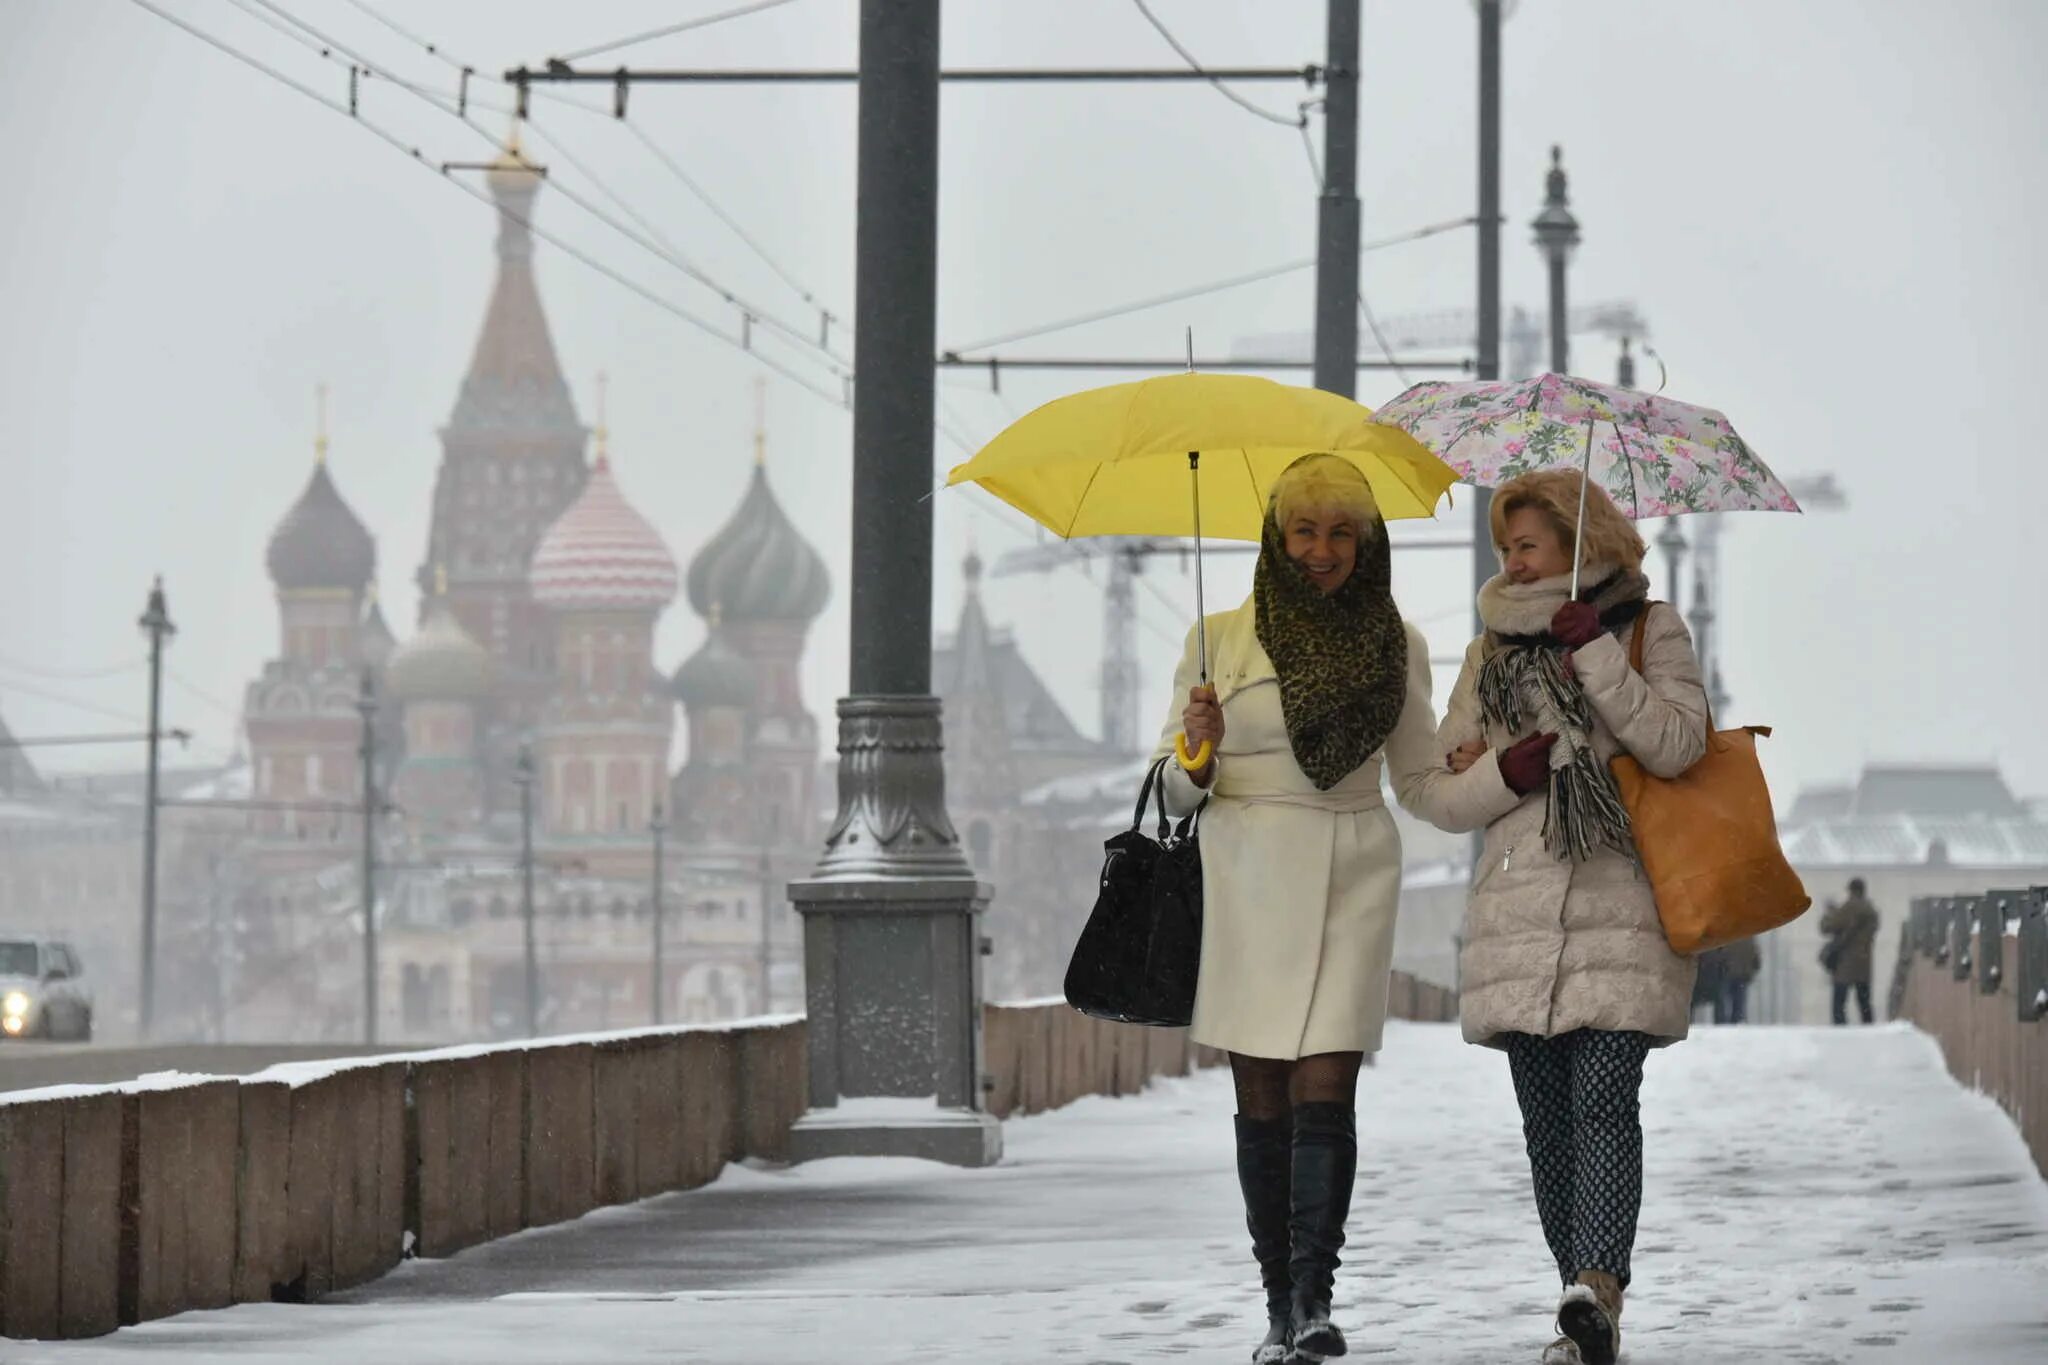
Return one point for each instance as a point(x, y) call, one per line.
point(1552, 945)
point(1300, 886)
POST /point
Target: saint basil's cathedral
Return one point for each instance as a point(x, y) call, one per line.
point(531, 678)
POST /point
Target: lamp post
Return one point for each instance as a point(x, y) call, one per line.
point(658, 827)
point(1557, 236)
point(523, 775)
point(155, 623)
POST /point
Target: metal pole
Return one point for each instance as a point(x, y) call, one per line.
point(1337, 210)
point(659, 828)
point(1484, 564)
point(767, 906)
point(156, 621)
point(366, 707)
point(895, 303)
point(1557, 235)
point(524, 777)
point(893, 983)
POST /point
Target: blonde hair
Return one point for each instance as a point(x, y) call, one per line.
point(1324, 483)
point(1611, 538)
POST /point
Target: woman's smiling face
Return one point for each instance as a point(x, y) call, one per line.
point(1325, 545)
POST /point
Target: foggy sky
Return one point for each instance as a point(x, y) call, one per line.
point(1828, 212)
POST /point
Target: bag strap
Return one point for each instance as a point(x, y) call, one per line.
point(1153, 779)
point(1635, 661)
point(1635, 644)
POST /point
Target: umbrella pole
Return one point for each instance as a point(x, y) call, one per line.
point(1579, 531)
point(1195, 762)
point(1201, 610)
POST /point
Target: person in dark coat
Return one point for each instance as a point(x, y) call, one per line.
point(1851, 930)
point(1706, 985)
point(1740, 963)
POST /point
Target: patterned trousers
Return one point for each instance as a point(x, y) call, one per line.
point(1583, 1125)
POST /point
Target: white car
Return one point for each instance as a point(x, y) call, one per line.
point(43, 991)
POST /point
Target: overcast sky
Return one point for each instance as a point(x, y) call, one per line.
point(1828, 211)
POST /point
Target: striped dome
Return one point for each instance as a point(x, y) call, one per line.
point(601, 555)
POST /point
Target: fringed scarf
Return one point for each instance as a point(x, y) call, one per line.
point(1341, 658)
point(1527, 687)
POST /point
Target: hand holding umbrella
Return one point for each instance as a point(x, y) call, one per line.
point(1201, 726)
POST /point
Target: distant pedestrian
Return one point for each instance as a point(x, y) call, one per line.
point(1851, 930)
point(1740, 962)
point(1706, 984)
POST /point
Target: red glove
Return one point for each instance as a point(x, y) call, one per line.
point(1576, 623)
point(1526, 765)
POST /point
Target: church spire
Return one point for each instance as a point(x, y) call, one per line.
point(760, 423)
point(320, 423)
point(515, 385)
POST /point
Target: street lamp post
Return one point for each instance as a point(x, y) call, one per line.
point(155, 623)
point(1557, 236)
point(658, 827)
point(523, 775)
point(366, 707)
point(892, 912)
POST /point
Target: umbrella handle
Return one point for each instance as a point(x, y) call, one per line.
point(1196, 761)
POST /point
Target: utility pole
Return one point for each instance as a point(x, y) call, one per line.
point(1557, 236)
point(366, 707)
point(523, 775)
point(1484, 564)
point(156, 623)
point(892, 911)
point(1337, 210)
point(657, 827)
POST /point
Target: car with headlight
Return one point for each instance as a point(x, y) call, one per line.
point(43, 991)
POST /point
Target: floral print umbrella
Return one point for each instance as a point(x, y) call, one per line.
point(1658, 457)
point(1655, 456)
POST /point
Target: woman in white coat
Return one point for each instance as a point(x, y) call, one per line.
point(1316, 681)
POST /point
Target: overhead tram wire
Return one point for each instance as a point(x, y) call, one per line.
point(1194, 64)
point(750, 312)
point(1200, 290)
point(412, 153)
point(702, 21)
point(72, 674)
point(827, 314)
point(87, 707)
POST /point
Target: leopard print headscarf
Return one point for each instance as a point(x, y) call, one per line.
point(1342, 658)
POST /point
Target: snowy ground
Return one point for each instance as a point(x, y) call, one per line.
point(1813, 1197)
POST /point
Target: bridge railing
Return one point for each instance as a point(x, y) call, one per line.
point(1973, 972)
point(120, 1204)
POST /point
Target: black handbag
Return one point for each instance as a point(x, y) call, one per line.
point(1138, 956)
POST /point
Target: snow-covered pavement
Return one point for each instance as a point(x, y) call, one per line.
point(1812, 1197)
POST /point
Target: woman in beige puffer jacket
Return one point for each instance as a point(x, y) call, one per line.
point(1565, 965)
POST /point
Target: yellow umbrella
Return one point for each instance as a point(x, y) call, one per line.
point(1191, 455)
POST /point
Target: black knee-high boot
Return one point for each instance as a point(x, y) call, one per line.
point(1265, 1158)
point(1325, 1163)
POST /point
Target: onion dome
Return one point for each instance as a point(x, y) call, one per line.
point(321, 543)
point(601, 554)
point(510, 175)
point(441, 662)
point(374, 633)
point(715, 675)
point(759, 567)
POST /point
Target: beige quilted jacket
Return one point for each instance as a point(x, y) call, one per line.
point(1549, 945)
